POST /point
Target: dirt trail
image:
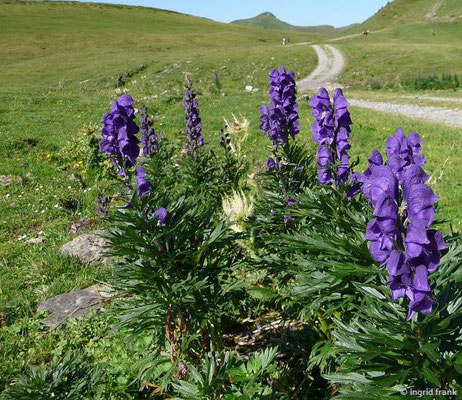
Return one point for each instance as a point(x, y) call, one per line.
point(331, 63)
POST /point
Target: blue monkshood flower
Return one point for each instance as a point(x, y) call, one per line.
point(280, 119)
point(403, 152)
point(271, 165)
point(103, 204)
point(144, 186)
point(399, 232)
point(119, 130)
point(194, 138)
point(148, 136)
point(161, 215)
point(273, 212)
point(331, 130)
point(287, 219)
point(290, 202)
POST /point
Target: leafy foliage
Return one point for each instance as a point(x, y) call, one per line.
point(228, 376)
point(380, 354)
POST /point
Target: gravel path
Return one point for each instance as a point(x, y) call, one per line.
point(331, 63)
point(445, 99)
point(433, 114)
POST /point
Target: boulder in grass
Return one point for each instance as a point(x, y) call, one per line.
point(8, 180)
point(88, 248)
point(74, 304)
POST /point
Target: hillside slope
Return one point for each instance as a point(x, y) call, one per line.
point(268, 20)
point(43, 41)
point(399, 12)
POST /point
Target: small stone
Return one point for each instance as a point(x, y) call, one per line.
point(77, 179)
point(74, 304)
point(6, 180)
point(249, 88)
point(255, 89)
point(37, 240)
point(88, 248)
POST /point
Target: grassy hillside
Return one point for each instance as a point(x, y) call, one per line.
point(42, 42)
point(268, 20)
point(399, 12)
point(416, 38)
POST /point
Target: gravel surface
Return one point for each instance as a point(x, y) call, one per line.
point(424, 97)
point(434, 114)
point(331, 63)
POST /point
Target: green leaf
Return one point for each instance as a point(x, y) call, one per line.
point(261, 293)
point(430, 376)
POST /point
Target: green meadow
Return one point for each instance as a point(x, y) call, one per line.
point(62, 63)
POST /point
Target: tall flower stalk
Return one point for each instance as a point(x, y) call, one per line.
point(280, 120)
point(119, 142)
point(331, 130)
point(194, 138)
point(399, 233)
point(148, 136)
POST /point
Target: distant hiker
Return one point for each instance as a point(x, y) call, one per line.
point(433, 32)
point(288, 40)
point(283, 41)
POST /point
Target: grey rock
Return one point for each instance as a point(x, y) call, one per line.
point(7, 180)
point(88, 247)
point(74, 304)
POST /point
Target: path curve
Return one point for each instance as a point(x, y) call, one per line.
point(331, 63)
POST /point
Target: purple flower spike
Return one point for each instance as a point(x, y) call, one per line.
point(403, 211)
point(290, 202)
point(119, 130)
point(148, 136)
point(280, 120)
point(331, 130)
point(161, 215)
point(192, 120)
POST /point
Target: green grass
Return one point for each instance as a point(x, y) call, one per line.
point(412, 50)
point(58, 71)
point(403, 12)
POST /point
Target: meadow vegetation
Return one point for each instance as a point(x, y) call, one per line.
point(62, 64)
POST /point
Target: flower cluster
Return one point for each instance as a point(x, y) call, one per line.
point(148, 136)
point(194, 138)
point(120, 142)
point(331, 130)
point(119, 133)
point(403, 213)
point(281, 118)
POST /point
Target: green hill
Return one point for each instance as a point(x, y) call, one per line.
point(43, 41)
point(268, 20)
point(399, 12)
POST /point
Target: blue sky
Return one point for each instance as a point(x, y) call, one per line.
point(296, 12)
